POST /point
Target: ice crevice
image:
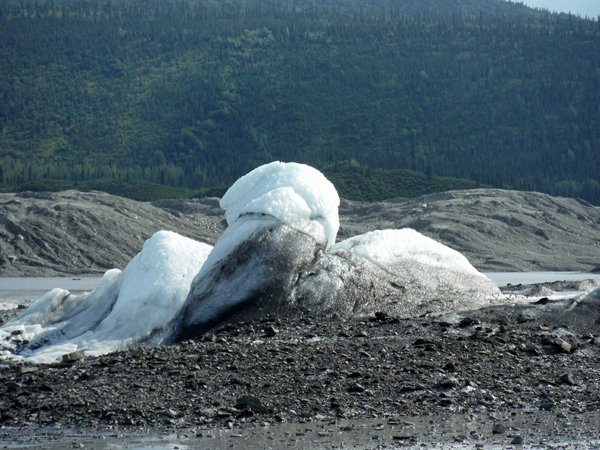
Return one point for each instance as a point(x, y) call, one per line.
point(277, 256)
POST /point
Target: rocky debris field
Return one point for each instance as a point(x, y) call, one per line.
point(500, 360)
point(76, 233)
point(48, 234)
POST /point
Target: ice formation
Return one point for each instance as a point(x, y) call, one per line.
point(392, 250)
point(277, 256)
point(124, 310)
point(298, 195)
point(400, 272)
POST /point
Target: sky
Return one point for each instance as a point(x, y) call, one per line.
point(590, 8)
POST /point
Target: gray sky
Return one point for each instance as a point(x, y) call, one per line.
point(590, 8)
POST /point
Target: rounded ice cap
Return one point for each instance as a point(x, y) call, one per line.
point(391, 250)
point(298, 195)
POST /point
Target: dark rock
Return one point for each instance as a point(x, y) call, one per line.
point(449, 382)
point(546, 406)
point(381, 315)
point(568, 378)
point(562, 345)
point(517, 440)
point(468, 321)
point(249, 402)
point(270, 331)
point(6, 416)
point(402, 437)
point(13, 385)
point(73, 356)
point(356, 388)
point(499, 428)
point(449, 366)
point(531, 349)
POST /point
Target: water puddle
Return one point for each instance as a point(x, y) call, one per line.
point(523, 429)
point(24, 290)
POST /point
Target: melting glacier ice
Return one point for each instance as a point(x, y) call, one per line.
point(124, 310)
point(277, 256)
point(298, 195)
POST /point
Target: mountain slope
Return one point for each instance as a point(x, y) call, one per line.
point(88, 233)
point(192, 95)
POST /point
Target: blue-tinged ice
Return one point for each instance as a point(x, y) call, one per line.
point(394, 250)
point(278, 256)
point(125, 309)
point(298, 195)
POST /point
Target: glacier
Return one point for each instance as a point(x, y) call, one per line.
point(277, 256)
point(124, 310)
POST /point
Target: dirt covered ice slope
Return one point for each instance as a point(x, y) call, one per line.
point(45, 234)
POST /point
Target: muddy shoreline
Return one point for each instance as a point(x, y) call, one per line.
point(512, 359)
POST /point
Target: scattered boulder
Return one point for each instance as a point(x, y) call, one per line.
point(249, 402)
point(73, 356)
point(498, 428)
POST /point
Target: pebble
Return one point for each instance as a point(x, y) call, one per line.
point(73, 356)
point(568, 378)
point(499, 428)
point(517, 440)
point(316, 380)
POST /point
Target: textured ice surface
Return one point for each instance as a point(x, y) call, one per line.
point(125, 308)
point(298, 195)
point(391, 250)
point(252, 268)
point(276, 256)
point(400, 272)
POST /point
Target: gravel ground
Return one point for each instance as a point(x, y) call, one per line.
point(499, 364)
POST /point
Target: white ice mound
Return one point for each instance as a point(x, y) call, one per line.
point(401, 272)
point(392, 250)
point(298, 195)
point(276, 257)
point(125, 309)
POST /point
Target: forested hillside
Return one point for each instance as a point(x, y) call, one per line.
point(192, 95)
